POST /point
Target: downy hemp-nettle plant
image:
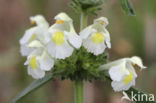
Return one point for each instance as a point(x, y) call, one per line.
point(58, 51)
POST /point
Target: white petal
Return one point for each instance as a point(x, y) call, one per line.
point(46, 63)
point(101, 20)
point(96, 49)
point(37, 52)
point(62, 16)
point(86, 32)
point(25, 51)
point(35, 44)
point(47, 37)
point(130, 67)
point(42, 34)
point(110, 64)
point(28, 34)
point(138, 61)
point(59, 52)
point(40, 20)
point(107, 38)
point(62, 27)
point(37, 73)
point(116, 72)
point(120, 86)
point(26, 62)
point(134, 73)
point(74, 39)
point(65, 26)
point(117, 86)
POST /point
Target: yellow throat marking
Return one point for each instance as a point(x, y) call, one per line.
point(128, 78)
point(59, 21)
point(33, 37)
point(58, 38)
point(97, 38)
point(33, 63)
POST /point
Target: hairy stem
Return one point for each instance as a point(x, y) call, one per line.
point(78, 91)
point(83, 21)
point(79, 97)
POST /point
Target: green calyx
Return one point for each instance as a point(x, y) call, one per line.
point(81, 66)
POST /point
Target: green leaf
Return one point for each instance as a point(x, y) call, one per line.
point(127, 7)
point(138, 96)
point(33, 86)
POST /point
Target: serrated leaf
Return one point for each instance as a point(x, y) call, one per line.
point(33, 86)
point(127, 7)
point(139, 98)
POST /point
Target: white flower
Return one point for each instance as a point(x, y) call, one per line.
point(96, 37)
point(62, 37)
point(122, 72)
point(38, 62)
point(37, 32)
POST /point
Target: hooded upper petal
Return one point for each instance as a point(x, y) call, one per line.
point(63, 16)
point(103, 21)
point(138, 61)
point(39, 20)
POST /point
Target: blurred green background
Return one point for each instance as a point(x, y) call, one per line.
point(129, 36)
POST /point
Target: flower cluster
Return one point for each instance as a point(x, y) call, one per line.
point(44, 46)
